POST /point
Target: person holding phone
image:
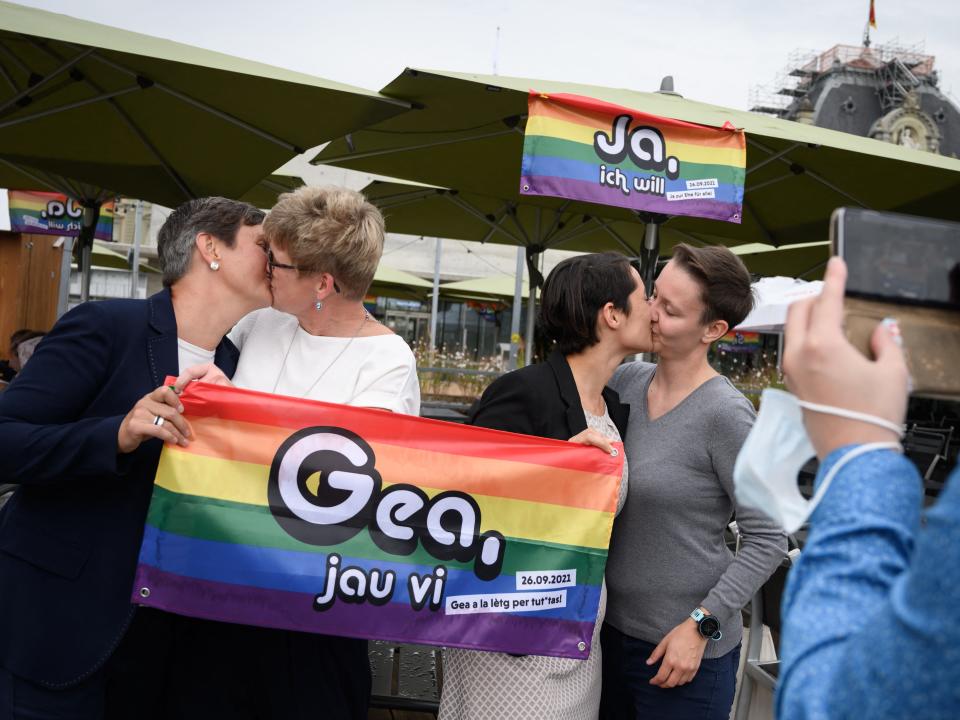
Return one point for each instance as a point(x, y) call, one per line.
point(869, 613)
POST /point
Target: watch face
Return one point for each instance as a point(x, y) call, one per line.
point(709, 626)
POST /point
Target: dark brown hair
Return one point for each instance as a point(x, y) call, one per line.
point(723, 279)
point(576, 290)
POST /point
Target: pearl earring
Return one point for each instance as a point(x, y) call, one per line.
point(318, 305)
point(214, 265)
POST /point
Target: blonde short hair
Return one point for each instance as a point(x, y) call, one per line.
point(329, 230)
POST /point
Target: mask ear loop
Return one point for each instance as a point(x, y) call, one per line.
point(853, 415)
point(856, 452)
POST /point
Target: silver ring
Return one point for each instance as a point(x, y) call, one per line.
point(158, 421)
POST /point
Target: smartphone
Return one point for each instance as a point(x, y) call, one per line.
point(899, 258)
point(907, 268)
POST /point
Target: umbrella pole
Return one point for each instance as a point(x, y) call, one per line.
point(434, 304)
point(135, 274)
point(516, 311)
point(650, 253)
point(531, 317)
point(91, 214)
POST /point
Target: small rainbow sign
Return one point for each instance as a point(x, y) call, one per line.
point(46, 213)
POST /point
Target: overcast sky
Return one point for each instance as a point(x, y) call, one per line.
point(715, 50)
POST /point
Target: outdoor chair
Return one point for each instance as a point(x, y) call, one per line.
point(407, 679)
point(764, 610)
point(926, 447)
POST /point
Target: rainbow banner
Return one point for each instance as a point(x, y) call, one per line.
point(740, 342)
point(584, 149)
point(308, 516)
point(46, 213)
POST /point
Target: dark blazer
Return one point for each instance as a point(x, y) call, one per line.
point(70, 535)
point(541, 400)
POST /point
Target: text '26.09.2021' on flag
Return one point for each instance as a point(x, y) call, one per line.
point(308, 516)
point(584, 149)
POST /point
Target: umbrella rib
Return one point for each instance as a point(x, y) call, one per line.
point(16, 60)
point(815, 267)
point(804, 171)
point(141, 136)
point(467, 207)
point(398, 199)
point(772, 181)
point(512, 214)
point(204, 107)
point(391, 151)
point(501, 214)
point(772, 158)
point(45, 79)
point(581, 230)
point(39, 176)
point(9, 78)
point(756, 218)
point(616, 236)
point(68, 106)
point(691, 237)
point(557, 215)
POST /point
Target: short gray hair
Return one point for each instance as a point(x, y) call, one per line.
point(218, 216)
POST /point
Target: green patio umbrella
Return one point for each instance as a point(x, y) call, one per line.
point(104, 256)
point(391, 282)
point(496, 288)
point(90, 110)
point(265, 193)
point(803, 260)
point(467, 135)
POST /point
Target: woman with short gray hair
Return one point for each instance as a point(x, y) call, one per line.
point(81, 429)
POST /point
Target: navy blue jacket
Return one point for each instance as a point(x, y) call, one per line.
point(70, 535)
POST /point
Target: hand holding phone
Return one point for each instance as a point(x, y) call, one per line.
point(906, 268)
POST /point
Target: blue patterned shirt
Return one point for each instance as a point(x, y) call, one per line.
point(872, 610)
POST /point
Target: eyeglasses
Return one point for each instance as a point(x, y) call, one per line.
point(272, 263)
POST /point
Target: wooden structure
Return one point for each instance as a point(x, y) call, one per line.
point(29, 283)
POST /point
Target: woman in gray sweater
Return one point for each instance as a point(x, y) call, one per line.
point(671, 641)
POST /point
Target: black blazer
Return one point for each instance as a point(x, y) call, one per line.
point(70, 535)
point(541, 400)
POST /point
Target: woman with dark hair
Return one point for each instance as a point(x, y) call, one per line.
point(595, 312)
point(671, 642)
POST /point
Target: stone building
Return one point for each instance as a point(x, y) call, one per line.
point(888, 92)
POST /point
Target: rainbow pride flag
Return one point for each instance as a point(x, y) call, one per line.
point(47, 213)
point(308, 516)
point(584, 149)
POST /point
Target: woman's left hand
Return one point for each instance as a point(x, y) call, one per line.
point(205, 372)
point(592, 437)
point(682, 650)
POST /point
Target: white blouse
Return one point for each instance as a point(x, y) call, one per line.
point(376, 371)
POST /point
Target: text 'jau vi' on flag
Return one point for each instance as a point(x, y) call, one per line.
point(309, 516)
point(584, 149)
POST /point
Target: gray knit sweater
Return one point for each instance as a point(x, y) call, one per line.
point(667, 553)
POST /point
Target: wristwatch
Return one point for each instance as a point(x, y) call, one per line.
point(708, 625)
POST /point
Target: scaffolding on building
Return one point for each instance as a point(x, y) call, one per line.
point(898, 68)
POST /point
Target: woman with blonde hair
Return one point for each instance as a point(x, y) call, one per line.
point(318, 341)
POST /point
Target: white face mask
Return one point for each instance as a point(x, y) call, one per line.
point(765, 474)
